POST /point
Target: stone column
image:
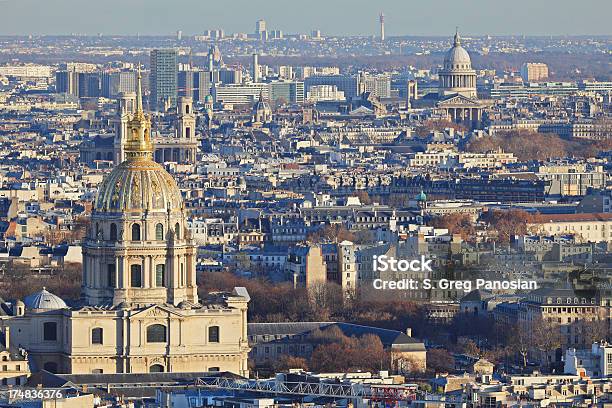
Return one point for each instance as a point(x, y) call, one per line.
point(117, 268)
point(124, 273)
point(96, 277)
point(145, 275)
point(175, 272)
point(151, 272)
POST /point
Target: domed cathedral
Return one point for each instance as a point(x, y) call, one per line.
point(262, 112)
point(457, 87)
point(139, 209)
point(140, 310)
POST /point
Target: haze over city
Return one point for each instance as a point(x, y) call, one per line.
point(336, 17)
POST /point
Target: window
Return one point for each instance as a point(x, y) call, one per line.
point(177, 231)
point(97, 371)
point(135, 232)
point(113, 232)
point(156, 333)
point(156, 368)
point(136, 276)
point(188, 132)
point(213, 334)
point(160, 272)
point(213, 369)
point(110, 271)
point(97, 335)
point(159, 232)
point(50, 331)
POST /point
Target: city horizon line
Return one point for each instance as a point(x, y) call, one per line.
point(228, 36)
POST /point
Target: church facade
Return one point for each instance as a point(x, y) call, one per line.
point(140, 311)
point(457, 87)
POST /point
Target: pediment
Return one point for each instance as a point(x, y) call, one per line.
point(156, 311)
point(459, 100)
point(362, 110)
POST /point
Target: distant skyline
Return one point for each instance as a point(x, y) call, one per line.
point(332, 17)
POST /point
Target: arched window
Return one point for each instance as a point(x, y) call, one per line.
point(177, 231)
point(50, 331)
point(136, 276)
point(160, 275)
point(213, 334)
point(135, 232)
point(156, 368)
point(113, 232)
point(159, 232)
point(156, 333)
point(97, 336)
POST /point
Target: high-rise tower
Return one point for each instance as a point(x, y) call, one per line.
point(255, 68)
point(382, 26)
point(260, 30)
point(163, 79)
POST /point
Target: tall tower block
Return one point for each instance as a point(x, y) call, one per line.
point(255, 68)
point(382, 26)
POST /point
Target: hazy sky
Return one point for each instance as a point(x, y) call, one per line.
point(350, 17)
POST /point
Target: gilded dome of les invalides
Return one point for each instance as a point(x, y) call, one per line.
point(139, 183)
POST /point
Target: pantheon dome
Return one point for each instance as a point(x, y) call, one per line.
point(457, 57)
point(457, 76)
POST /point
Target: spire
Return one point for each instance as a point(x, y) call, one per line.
point(139, 92)
point(457, 41)
point(139, 129)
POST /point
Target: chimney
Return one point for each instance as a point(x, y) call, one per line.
point(7, 337)
point(409, 332)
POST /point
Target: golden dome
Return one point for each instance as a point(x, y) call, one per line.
point(138, 184)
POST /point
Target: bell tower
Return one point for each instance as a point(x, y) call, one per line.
point(186, 118)
point(125, 109)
